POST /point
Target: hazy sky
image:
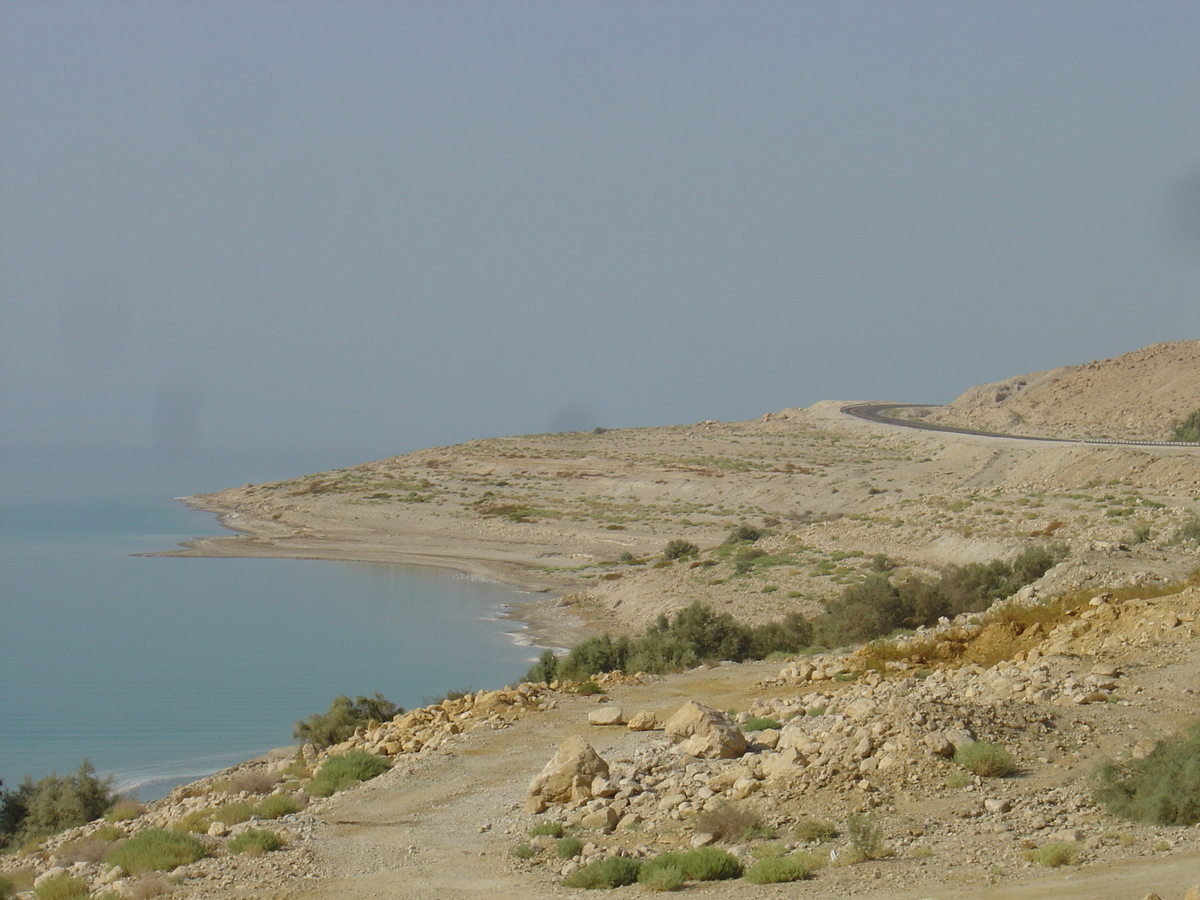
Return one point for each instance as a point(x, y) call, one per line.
point(373, 227)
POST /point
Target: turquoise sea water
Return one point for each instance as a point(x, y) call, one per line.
point(160, 670)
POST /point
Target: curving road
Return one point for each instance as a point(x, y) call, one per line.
point(880, 413)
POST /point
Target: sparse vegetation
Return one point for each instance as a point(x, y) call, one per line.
point(730, 822)
point(1054, 855)
point(693, 635)
point(155, 849)
point(611, 872)
point(568, 848)
point(276, 806)
point(63, 886)
point(777, 870)
point(256, 842)
point(345, 715)
point(347, 770)
point(553, 829)
point(985, 759)
point(813, 831)
point(1188, 430)
point(866, 841)
point(680, 549)
point(761, 723)
point(1162, 789)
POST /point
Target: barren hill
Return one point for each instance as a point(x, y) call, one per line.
point(1138, 396)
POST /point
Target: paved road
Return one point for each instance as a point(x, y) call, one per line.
point(884, 414)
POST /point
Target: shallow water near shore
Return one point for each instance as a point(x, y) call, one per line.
point(160, 670)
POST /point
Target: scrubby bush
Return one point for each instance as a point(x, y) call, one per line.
point(866, 841)
point(985, 759)
point(610, 872)
point(745, 534)
point(1189, 429)
point(124, 810)
point(661, 878)
point(276, 806)
point(1162, 789)
point(345, 715)
point(256, 842)
point(233, 813)
point(709, 864)
point(553, 829)
point(523, 851)
point(728, 822)
point(1054, 855)
point(1188, 532)
point(7, 888)
point(347, 770)
point(679, 549)
point(63, 886)
point(255, 782)
point(761, 723)
point(155, 849)
point(777, 870)
point(86, 849)
point(683, 641)
point(878, 606)
point(568, 848)
point(812, 831)
point(543, 671)
point(39, 809)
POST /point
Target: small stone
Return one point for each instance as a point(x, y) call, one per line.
point(994, 805)
point(702, 839)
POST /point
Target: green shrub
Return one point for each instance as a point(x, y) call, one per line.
point(253, 782)
point(985, 759)
point(761, 723)
point(866, 840)
point(233, 813)
point(812, 831)
point(7, 888)
point(343, 717)
point(62, 887)
point(155, 849)
point(777, 870)
point(1162, 789)
point(568, 848)
point(611, 872)
point(553, 829)
point(39, 809)
point(709, 864)
point(276, 806)
point(1188, 532)
point(124, 810)
point(661, 878)
point(1054, 855)
point(347, 770)
point(745, 534)
point(679, 549)
point(1189, 429)
point(544, 670)
point(255, 842)
point(523, 851)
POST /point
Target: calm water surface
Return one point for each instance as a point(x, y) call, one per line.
point(160, 669)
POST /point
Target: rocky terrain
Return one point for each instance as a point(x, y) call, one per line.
point(1140, 396)
point(844, 758)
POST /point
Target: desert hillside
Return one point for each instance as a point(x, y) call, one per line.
point(854, 763)
point(1138, 396)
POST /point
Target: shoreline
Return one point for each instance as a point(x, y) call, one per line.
point(545, 621)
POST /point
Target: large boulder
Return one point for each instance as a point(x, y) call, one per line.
point(705, 732)
point(568, 777)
